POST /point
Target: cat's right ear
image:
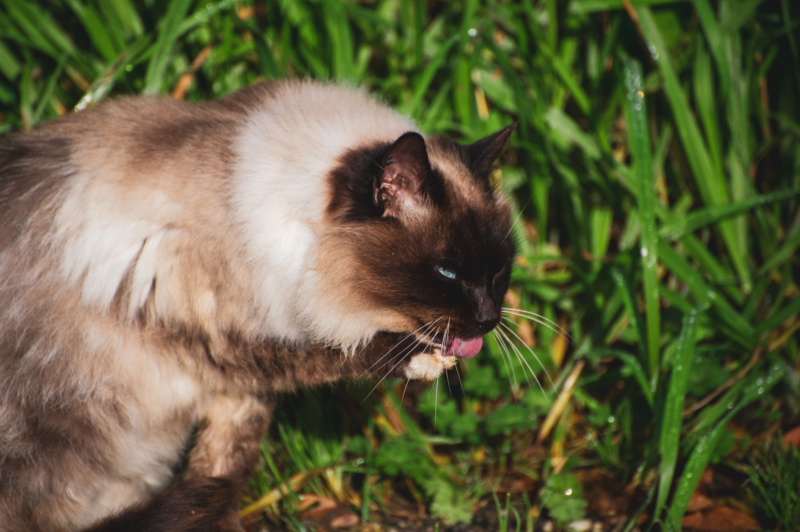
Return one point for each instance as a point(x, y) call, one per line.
point(482, 153)
point(405, 171)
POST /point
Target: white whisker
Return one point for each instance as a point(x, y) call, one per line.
point(538, 318)
point(403, 396)
point(444, 350)
point(512, 348)
point(516, 220)
point(398, 343)
point(405, 352)
point(510, 372)
point(522, 359)
point(447, 380)
point(532, 352)
point(444, 336)
point(435, 404)
point(458, 374)
point(418, 341)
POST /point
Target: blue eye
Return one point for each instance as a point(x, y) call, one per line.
point(446, 272)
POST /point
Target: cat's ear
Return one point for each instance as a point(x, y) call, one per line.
point(482, 153)
point(406, 171)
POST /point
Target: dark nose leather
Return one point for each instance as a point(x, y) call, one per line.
point(483, 308)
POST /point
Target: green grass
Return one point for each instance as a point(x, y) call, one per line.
point(773, 478)
point(656, 171)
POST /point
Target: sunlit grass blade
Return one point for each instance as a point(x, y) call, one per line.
point(26, 93)
point(706, 98)
point(208, 12)
point(570, 83)
point(97, 29)
point(426, 78)
point(46, 95)
point(9, 65)
point(739, 328)
point(341, 40)
point(292, 484)
point(635, 317)
point(710, 183)
point(706, 444)
point(639, 141)
point(787, 250)
point(600, 220)
point(702, 217)
point(570, 131)
point(708, 22)
point(741, 12)
point(791, 309)
point(44, 33)
point(690, 477)
point(105, 82)
point(635, 367)
point(169, 29)
point(125, 15)
point(669, 444)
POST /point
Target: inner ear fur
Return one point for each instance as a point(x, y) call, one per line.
point(406, 171)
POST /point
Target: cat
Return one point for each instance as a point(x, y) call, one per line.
point(167, 268)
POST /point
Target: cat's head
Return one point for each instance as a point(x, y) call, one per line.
point(418, 239)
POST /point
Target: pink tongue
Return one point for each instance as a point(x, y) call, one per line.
point(465, 348)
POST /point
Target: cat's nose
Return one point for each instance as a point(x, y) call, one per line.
point(487, 320)
point(486, 315)
point(484, 311)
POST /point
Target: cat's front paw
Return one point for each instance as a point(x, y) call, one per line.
point(428, 366)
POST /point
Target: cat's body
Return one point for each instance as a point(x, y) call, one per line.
point(166, 268)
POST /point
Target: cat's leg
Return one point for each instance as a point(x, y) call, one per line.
point(231, 428)
point(286, 369)
point(206, 498)
point(397, 355)
point(227, 446)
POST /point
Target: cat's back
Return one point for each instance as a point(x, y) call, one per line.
point(94, 208)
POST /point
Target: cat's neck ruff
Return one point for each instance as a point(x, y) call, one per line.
point(278, 193)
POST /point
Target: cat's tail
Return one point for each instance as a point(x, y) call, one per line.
point(194, 505)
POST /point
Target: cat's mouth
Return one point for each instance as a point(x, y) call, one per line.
point(459, 347)
point(464, 347)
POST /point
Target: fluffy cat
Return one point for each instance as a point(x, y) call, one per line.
point(167, 268)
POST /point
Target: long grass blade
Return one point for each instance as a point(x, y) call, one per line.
point(639, 139)
point(669, 444)
point(169, 29)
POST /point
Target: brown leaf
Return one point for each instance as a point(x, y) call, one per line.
point(720, 519)
point(698, 502)
point(344, 520)
point(792, 437)
point(314, 506)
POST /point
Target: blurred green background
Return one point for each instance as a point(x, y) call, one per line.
point(649, 359)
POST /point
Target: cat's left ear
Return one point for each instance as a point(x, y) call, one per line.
point(482, 153)
point(406, 172)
